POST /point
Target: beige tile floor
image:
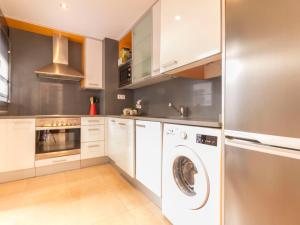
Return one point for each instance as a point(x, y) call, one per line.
point(92, 196)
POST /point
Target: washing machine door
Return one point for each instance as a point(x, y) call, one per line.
point(190, 178)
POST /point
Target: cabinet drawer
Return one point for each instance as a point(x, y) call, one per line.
point(92, 150)
point(92, 133)
point(59, 160)
point(86, 121)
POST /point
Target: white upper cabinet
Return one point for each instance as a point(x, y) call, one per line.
point(142, 48)
point(190, 31)
point(146, 45)
point(156, 39)
point(17, 138)
point(93, 64)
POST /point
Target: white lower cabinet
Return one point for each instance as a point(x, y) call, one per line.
point(149, 154)
point(17, 139)
point(92, 133)
point(120, 143)
point(92, 150)
point(92, 137)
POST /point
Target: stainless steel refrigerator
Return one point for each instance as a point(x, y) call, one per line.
point(262, 113)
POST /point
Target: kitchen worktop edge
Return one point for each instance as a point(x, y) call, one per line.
point(182, 121)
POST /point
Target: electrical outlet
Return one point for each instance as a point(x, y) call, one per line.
point(121, 97)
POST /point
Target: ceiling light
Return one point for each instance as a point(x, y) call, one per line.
point(177, 18)
point(63, 5)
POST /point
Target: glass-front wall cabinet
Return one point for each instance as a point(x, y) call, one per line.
point(4, 62)
point(142, 48)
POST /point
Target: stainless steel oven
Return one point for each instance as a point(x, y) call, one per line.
point(57, 137)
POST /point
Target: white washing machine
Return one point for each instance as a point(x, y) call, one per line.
point(191, 191)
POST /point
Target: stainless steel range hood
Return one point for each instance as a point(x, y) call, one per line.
point(60, 68)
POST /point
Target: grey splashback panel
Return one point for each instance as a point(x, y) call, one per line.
point(32, 95)
point(202, 97)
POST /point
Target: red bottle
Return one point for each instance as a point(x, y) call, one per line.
point(93, 110)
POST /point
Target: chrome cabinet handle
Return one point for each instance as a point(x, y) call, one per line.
point(168, 64)
point(140, 125)
point(61, 160)
point(146, 74)
point(93, 121)
point(94, 84)
point(93, 129)
point(147, 77)
point(113, 121)
point(122, 124)
point(93, 146)
point(156, 70)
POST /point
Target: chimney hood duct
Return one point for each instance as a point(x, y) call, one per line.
point(60, 68)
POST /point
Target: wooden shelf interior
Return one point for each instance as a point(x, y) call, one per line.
point(42, 30)
point(208, 71)
point(125, 42)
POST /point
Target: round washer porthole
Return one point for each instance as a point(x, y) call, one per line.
point(189, 177)
point(183, 172)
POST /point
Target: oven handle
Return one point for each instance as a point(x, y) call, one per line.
point(59, 161)
point(58, 128)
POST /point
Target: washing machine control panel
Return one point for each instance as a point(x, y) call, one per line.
point(207, 139)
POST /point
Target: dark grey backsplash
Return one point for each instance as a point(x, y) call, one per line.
point(32, 95)
point(202, 97)
point(35, 96)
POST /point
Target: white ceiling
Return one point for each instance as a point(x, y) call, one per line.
point(91, 18)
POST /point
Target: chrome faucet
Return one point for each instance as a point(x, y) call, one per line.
point(181, 109)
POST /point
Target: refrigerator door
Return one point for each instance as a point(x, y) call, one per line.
point(262, 185)
point(262, 92)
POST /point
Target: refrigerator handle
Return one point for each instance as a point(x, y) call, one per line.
point(253, 145)
point(243, 140)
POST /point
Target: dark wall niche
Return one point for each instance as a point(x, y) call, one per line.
point(112, 105)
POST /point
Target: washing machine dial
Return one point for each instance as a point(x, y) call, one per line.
point(170, 132)
point(183, 135)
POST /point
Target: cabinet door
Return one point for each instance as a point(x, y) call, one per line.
point(17, 138)
point(125, 146)
point(142, 48)
point(156, 39)
point(149, 155)
point(93, 64)
point(112, 139)
point(190, 31)
point(92, 149)
point(121, 144)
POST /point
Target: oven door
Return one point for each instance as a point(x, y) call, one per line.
point(51, 143)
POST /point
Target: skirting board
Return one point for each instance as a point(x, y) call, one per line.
point(46, 170)
point(17, 175)
point(150, 195)
point(94, 161)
